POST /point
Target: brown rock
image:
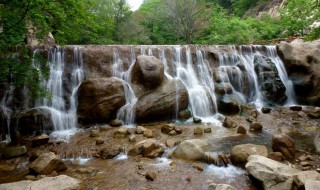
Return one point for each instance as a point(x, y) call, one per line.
point(151, 149)
point(198, 131)
point(99, 141)
point(167, 128)
point(122, 132)
point(277, 156)
point(295, 108)
point(198, 166)
point(170, 143)
point(240, 153)
point(229, 123)
point(207, 130)
point(241, 130)
point(116, 123)
point(284, 144)
point(172, 133)
point(178, 130)
point(15, 151)
point(46, 163)
point(40, 140)
point(148, 133)
point(256, 127)
point(99, 99)
point(109, 153)
point(94, 133)
point(265, 110)
point(140, 130)
point(305, 164)
point(6, 168)
point(151, 176)
point(132, 138)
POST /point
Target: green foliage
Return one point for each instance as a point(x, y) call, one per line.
point(241, 6)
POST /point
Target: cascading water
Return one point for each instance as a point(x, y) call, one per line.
point(126, 112)
point(63, 111)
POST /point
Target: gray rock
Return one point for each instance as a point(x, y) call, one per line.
point(312, 185)
point(301, 178)
point(272, 174)
point(61, 182)
point(240, 153)
point(46, 163)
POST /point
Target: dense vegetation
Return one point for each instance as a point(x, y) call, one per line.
point(156, 22)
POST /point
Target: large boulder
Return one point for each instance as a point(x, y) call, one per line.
point(162, 102)
point(302, 62)
point(273, 175)
point(284, 144)
point(46, 163)
point(147, 72)
point(61, 182)
point(271, 86)
point(33, 120)
point(229, 103)
point(100, 99)
point(240, 153)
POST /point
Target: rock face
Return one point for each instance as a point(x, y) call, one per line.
point(99, 99)
point(302, 62)
point(161, 103)
point(240, 153)
point(46, 163)
point(271, 86)
point(272, 174)
point(61, 182)
point(148, 73)
point(284, 144)
point(31, 120)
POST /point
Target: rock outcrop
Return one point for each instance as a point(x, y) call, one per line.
point(100, 99)
point(302, 62)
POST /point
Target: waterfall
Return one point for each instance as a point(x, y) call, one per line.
point(126, 112)
point(62, 106)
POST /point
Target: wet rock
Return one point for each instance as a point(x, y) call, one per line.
point(148, 133)
point(178, 130)
point(46, 163)
point(148, 71)
point(207, 130)
point(10, 152)
point(184, 114)
point(312, 185)
point(251, 119)
point(122, 132)
point(229, 123)
point(277, 156)
point(151, 176)
point(99, 141)
point(223, 88)
point(241, 130)
point(61, 182)
point(116, 123)
point(265, 110)
point(31, 177)
point(301, 178)
point(295, 108)
point(140, 130)
point(271, 86)
point(170, 143)
point(302, 62)
point(94, 133)
point(40, 140)
point(132, 138)
point(99, 99)
point(272, 174)
point(196, 120)
point(6, 168)
point(240, 153)
point(256, 127)
point(167, 128)
point(229, 104)
point(147, 109)
point(109, 153)
point(151, 149)
point(33, 120)
point(214, 186)
point(172, 133)
point(198, 131)
point(193, 150)
point(284, 144)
